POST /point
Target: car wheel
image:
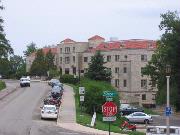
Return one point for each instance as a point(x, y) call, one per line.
point(146, 121)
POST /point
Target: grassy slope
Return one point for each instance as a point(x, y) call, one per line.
point(85, 119)
point(2, 85)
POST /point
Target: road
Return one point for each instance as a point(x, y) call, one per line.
point(20, 113)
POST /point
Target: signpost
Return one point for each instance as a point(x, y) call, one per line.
point(168, 111)
point(109, 110)
point(81, 94)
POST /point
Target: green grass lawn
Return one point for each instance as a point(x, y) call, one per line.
point(2, 85)
point(85, 119)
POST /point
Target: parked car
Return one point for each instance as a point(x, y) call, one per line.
point(24, 82)
point(129, 110)
point(49, 111)
point(139, 117)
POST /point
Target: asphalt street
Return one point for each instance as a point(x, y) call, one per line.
point(20, 113)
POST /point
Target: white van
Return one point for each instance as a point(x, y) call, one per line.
point(161, 130)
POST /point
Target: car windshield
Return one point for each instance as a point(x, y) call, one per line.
point(50, 108)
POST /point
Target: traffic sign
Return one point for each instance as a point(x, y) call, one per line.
point(81, 90)
point(109, 118)
point(109, 109)
point(109, 93)
point(168, 111)
point(109, 99)
point(82, 98)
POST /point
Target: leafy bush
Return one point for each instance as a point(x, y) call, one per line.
point(94, 95)
point(53, 73)
point(68, 79)
point(2, 85)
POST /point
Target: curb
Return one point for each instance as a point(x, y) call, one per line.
point(14, 89)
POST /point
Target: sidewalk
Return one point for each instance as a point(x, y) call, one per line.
point(67, 115)
point(8, 90)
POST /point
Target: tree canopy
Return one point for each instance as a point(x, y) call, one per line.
point(5, 47)
point(96, 70)
point(30, 49)
point(167, 53)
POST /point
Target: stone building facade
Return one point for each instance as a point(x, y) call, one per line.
point(125, 59)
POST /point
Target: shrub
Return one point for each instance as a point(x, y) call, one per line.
point(68, 79)
point(2, 85)
point(94, 95)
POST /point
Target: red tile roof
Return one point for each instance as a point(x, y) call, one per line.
point(127, 44)
point(45, 51)
point(96, 37)
point(68, 40)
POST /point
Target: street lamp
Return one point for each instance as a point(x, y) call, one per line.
point(168, 71)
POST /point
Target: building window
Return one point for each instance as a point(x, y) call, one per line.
point(143, 96)
point(125, 57)
point(67, 49)
point(67, 60)
point(153, 83)
point(144, 57)
point(153, 96)
point(60, 50)
point(85, 59)
point(116, 70)
point(74, 58)
point(144, 83)
point(125, 83)
point(116, 82)
point(66, 70)
point(73, 49)
point(108, 58)
point(60, 60)
point(125, 69)
point(116, 57)
point(74, 70)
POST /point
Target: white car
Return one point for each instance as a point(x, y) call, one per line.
point(49, 111)
point(139, 117)
point(24, 82)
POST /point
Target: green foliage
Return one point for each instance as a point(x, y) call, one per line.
point(94, 94)
point(2, 85)
point(167, 53)
point(84, 118)
point(68, 79)
point(5, 67)
point(5, 47)
point(50, 60)
point(39, 66)
point(30, 49)
point(96, 70)
point(53, 73)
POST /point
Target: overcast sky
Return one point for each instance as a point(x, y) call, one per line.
point(48, 22)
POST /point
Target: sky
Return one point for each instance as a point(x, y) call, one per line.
point(48, 22)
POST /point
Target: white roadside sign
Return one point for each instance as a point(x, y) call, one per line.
point(81, 90)
point(109, 118)
point(82, 98)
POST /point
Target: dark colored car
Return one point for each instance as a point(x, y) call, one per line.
point(129, 110)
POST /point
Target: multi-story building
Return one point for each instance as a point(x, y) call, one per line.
point(125, 59)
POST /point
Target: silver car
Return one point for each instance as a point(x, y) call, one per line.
point(139, 117)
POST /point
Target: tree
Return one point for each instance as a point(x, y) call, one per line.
point(50, 60)
point(18, 66)
point(96, 70)
point(167, 53)
point(39, 66)
point(5, 48)
point(30, 49)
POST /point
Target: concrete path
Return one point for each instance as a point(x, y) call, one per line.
point(67, 115)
